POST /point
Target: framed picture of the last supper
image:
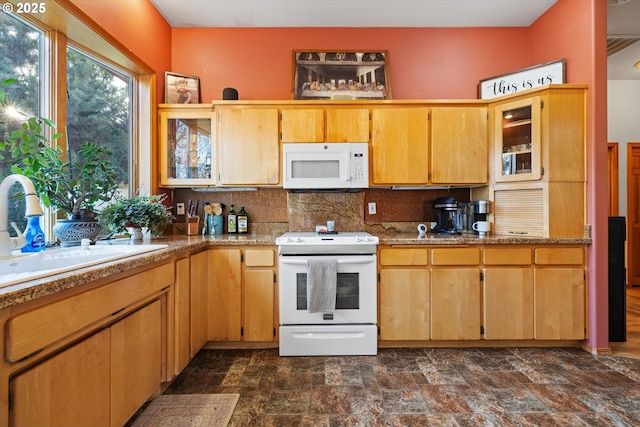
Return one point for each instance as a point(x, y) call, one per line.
point(340, 74)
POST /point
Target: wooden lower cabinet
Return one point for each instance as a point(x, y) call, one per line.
point(101, 381)
point(182, 313)
point(258, 305)
point(524, 293)
point(224, 295)
point(135, 361)
point(242, 294)
point(508, 303)
point(71, 388)
point(559, 304)
point(455, 304)
point(404, 304)
point(199, 288)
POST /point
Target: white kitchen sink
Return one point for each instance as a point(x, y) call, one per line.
point(24, 267)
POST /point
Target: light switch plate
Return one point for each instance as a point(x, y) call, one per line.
point(179, 208)
point(372, 208)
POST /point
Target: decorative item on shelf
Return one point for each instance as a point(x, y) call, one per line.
point(135, 214)
point(553, 72)
point(72, 183)
point(335, 73)
point(229, 94)
point(181, 88)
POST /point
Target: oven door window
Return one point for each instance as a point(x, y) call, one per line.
point(347, 291)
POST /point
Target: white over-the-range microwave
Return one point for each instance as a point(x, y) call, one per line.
point(334, 165)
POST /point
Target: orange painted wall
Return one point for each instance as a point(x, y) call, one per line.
point(137, 25)
point(577, 31)
point(423, 62)
point(435, 63)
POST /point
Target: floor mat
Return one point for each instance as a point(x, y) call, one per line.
point(188, 410)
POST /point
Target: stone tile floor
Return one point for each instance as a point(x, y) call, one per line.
point(422, 387)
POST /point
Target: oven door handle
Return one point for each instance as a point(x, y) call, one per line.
point(340, 261)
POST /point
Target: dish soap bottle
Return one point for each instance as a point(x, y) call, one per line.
point(34, 236)
point(243, 221)
point(232, 221)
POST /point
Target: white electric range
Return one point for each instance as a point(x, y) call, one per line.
point(348, 328)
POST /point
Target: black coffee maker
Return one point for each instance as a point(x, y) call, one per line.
point(447, 208)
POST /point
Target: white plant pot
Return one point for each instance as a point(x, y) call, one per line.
point(136, 233)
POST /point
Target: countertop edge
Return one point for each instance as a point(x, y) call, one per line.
point(181, 245)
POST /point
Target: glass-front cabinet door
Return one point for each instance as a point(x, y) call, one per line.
point(187, 148)
point(518, 141)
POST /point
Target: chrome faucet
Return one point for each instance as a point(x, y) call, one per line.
point(7, 244)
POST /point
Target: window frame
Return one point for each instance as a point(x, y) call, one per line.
point(65, 25)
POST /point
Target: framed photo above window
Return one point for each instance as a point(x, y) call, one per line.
point(181, 89)
point(340, 74)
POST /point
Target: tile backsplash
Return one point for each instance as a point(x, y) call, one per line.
point(274, 211)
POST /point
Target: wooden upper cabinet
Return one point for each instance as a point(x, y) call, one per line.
point(542, 137)
point(459, 145)
point(303, 125)
point(187, 150)
point(248, 144)
point(518, 140)
point(400, 146)
point(347, 125)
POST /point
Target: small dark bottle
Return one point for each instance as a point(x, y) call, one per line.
point(232, 221)
point(243, 221)
point(34, 236)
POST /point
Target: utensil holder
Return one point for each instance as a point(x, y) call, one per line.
point(193, 225)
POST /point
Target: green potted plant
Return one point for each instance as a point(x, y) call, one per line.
point(134, 214)
point(74, 185)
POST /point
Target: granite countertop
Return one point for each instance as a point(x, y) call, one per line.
point(179, 245)
point(472, 239)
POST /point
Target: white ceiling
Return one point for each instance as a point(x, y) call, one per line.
point(351, 13)
point(623, 17)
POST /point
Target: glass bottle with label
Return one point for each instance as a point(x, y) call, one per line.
point(232, 221)
point(243, 221)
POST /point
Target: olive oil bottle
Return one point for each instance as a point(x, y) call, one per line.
point(243, 221)
point(232, 221)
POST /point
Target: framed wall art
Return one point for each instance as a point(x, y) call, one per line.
point(181, 88)
point(340, 74)
point(528, 78)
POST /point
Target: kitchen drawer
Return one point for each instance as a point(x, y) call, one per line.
point(511, 256)
point(455, 256)
point(259, 258)
point(404, 256)
point(559, 256)
point(29, 332)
